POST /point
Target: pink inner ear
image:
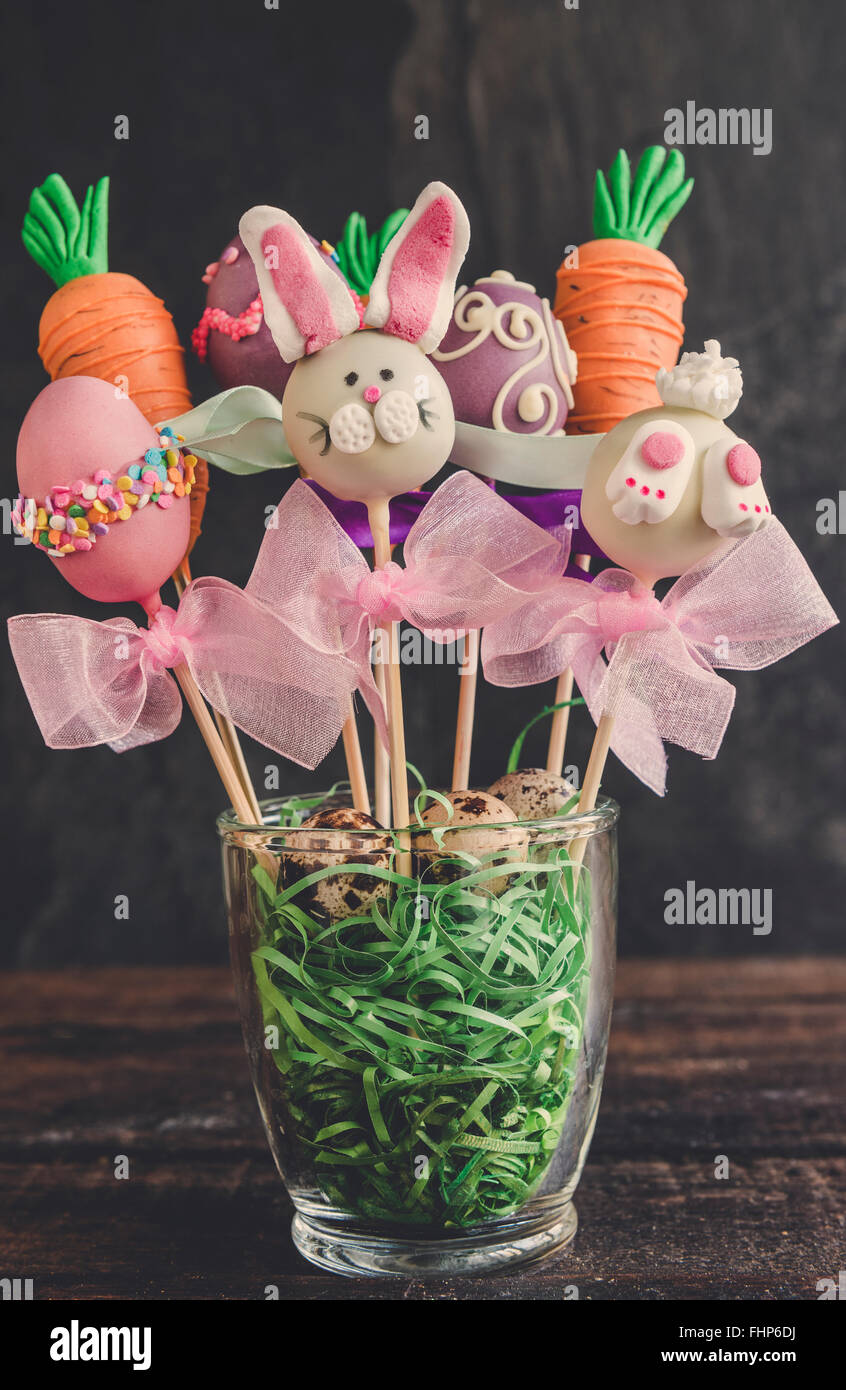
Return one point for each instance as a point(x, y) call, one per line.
point(418, 272)
point(299, 288)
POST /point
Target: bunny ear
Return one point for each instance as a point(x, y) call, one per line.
point(306, 305)
point(413, 290)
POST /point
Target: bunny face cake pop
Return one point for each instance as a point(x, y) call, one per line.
point(672, 484)
point(365, 413)
point(102, 491)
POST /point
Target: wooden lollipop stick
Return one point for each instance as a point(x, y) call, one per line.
point(355, 764)
point(214, 743)
point(232, 744)
point(232, 785)
point(381, 761)
point(593, 777)
point(561, 717)
point(379, 517)
point(226, 729)
point(467, 682)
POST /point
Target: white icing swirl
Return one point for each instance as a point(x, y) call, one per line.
point(518, 327)
point(704, 381)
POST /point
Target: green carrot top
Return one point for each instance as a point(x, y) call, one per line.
point(65, 240)
point(640, 210)
point(359, 254)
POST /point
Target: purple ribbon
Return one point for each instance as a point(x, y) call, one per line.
point(551, 511)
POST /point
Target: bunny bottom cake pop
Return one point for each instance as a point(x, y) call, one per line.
point(670, 485)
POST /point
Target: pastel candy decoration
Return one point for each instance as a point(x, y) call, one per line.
point(506, 359)
point(672, 484)
point(76, 428)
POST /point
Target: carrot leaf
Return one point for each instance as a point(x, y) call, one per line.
point(65, 240)
point(359, 253)
point(641, 209)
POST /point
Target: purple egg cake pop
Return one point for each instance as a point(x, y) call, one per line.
point(506, 359)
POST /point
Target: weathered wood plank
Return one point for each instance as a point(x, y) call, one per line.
point(744, 1059)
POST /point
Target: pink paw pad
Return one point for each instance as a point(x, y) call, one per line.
point(662, 449)
point(744, 465)
point(630, 482)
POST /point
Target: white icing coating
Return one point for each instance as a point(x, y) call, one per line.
point(326, 394)
point(729, 508)
point(704, 381)
point(639, 492)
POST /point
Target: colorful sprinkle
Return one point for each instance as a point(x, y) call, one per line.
point(72, 518)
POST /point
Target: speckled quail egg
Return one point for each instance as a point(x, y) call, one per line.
point(331, 839)
point(478, 828)
point(533, 793)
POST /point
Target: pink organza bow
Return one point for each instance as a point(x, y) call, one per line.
point(108, 682)
point(469, 559)
point(743, 607)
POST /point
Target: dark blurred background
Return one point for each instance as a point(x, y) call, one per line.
point(312, 107)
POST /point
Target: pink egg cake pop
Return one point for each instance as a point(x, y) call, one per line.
point(102, 492)
point(107, 498)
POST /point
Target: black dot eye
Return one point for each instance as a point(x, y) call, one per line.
point(386, 374)
point(351, 378)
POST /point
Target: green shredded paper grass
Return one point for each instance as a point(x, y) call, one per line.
point(426, 1049)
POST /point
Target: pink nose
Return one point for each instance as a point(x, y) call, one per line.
point(372, 394)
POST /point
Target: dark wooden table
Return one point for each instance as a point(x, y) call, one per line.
point(745, 1059)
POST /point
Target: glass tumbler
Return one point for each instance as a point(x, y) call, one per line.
point(426, 1019)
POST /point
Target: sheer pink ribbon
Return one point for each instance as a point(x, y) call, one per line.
point(108, 682)
point(469, 559)
point(748, 605)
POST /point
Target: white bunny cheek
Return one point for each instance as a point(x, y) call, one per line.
point(351, 429)
point(650, 479)
point(397, 417)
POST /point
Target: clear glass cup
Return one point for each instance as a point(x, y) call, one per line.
point(427, 1050)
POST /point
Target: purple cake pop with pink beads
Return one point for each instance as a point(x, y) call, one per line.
point(232, 335)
